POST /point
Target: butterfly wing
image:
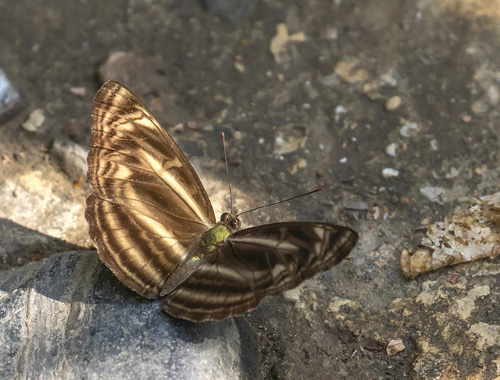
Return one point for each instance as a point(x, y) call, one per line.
point(255, 263)
point(148, 207)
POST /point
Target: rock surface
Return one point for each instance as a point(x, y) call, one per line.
point(10, 100)
point(68, 318)
point(335, 66)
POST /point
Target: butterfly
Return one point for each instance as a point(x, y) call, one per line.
point(154, 226)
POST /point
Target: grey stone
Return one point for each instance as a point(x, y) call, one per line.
point(68, 317)
point(39, 201)
point(21, 245)
point(10, 100)
point(73, 158)
point(440, 58)
point(35, 121)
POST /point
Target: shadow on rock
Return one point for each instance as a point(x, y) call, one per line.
point(21, 245)
point(68, 316)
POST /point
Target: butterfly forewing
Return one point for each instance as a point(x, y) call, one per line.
point(148, 207)
point(255, 263)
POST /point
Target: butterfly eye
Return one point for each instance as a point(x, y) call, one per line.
point(235, 223)
point(225, 217)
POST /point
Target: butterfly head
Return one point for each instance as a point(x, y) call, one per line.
point(229, 220)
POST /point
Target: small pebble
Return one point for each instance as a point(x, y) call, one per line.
point(239, 67)
point(310, 90)
point(339, 111)
point(392, 103)
point(352, 205)
point(193, 125)
point(300, 164)
point(389, 172)
point(72, 156)
point(329, 80)
point(452, 174)
point(391, 149)
point(177, 128)
point(394, 346)
point(34, 121)
point(479, 106)
point(433, 193)
point(409, 129)
point(330, 34)
point(80, 91)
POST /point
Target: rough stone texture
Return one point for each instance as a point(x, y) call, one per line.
point(67, 318)
point(21, 245)
point(316, 116)
point(34, 200)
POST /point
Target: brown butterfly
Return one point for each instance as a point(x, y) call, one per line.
point(154, 226)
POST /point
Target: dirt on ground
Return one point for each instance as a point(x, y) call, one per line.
point(390, 106)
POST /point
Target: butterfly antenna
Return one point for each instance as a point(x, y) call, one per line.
point(227, 171)
point(281, 201)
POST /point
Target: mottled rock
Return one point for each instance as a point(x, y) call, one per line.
point(467, 236)
point(21, 245)
point(37, 200)
point(441, 58)
point(68, 317)
point(290, 138)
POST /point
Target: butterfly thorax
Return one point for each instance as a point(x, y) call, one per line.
point(217, 235)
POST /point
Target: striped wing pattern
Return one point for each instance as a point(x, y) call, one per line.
point(255, 263)
point(148, 208)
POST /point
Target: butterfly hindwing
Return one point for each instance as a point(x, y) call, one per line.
point(258, 262)
point(147, 207)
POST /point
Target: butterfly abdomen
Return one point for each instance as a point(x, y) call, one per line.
point(202, 251)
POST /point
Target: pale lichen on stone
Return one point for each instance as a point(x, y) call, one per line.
point(468, 236)
point(464, 306)
point(487, 335)
point(280, 39)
